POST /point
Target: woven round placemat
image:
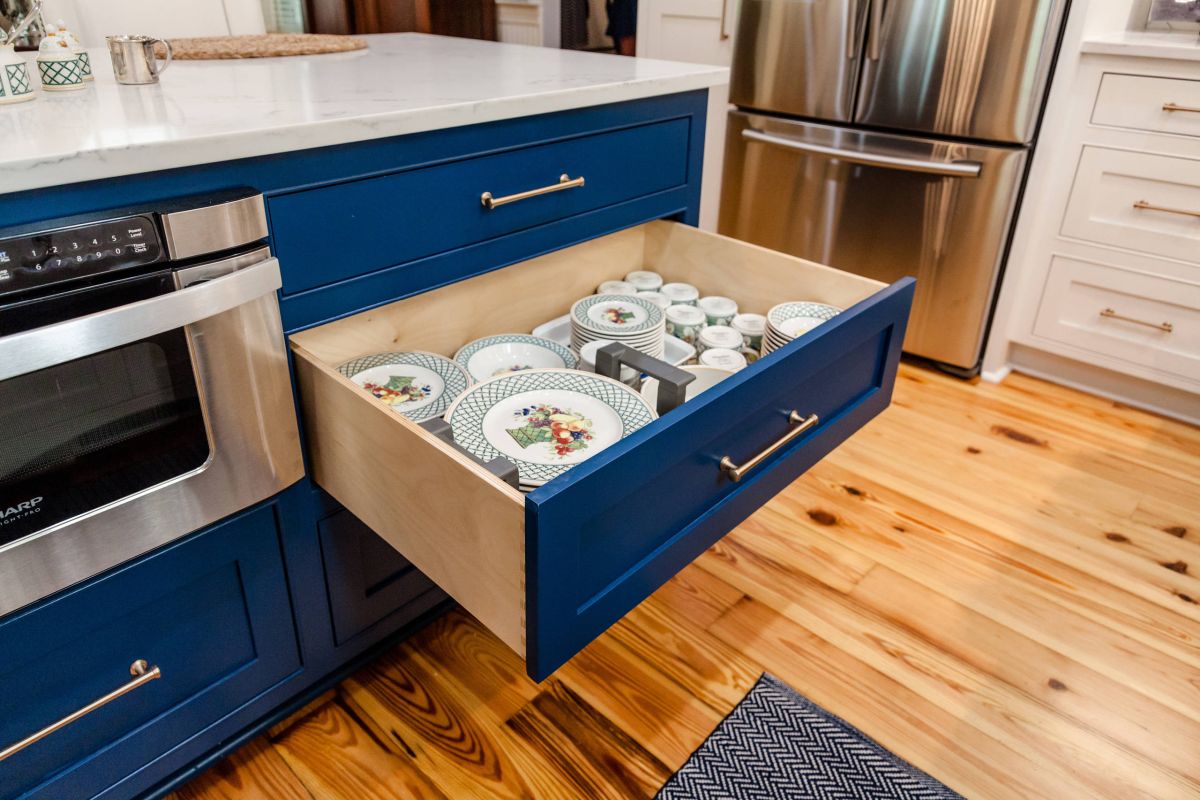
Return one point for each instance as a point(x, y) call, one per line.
point(269, 45)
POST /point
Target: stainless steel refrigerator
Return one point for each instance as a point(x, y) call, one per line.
point(889, 138)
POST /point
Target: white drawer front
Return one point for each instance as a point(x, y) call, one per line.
point(1140, 102)
point(1138, 201)
point(1146, 320)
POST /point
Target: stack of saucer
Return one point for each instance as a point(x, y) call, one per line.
point(787, 321)
point(628, 319)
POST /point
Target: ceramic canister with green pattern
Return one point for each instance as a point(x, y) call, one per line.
point(16, 86)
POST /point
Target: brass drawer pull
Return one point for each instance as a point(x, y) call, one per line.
point(801, 424)
point(565, 181)
point(1177, 107)
point(143, 673)
point(1166, 327)
point(1144, 206)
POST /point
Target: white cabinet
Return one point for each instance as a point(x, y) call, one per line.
point(1136, 201)
point(1102, 287)
point(701, 32)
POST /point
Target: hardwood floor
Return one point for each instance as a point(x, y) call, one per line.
point(997, 583)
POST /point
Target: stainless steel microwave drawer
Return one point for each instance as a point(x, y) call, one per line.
point(549, 571)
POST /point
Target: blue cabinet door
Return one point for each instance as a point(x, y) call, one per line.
point(211, 613)
point(622, 523)
point(369, 583)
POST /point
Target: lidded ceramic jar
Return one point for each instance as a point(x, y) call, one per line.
point(58, 66)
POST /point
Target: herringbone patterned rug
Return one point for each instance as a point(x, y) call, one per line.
point(777, 744)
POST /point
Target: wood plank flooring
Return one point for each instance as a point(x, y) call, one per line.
point(1000, 584)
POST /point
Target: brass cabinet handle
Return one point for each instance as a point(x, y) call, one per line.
point(1144, 206)
point(724, 12)
point(143, 673)
point(1166, 327)
point(565, 181)
point(1177, 107)
point(801, 424)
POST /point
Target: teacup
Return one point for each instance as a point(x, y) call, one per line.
point(718, 336)
point(685, 322)
point(16, 86)
point(719, 310)
point(683, 294)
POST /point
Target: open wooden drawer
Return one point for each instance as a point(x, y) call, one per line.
point(550, 571)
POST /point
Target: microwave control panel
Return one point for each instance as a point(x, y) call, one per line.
point(64, 254)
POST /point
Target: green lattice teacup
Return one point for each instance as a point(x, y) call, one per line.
point(15, 84)
point(60, 72)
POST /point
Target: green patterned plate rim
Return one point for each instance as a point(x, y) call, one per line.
point(619, 326)
point(785, 311)
point(402, 389)
point(547, 435)
point(463, 356)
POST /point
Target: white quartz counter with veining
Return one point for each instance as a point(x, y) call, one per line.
point(1177, 46)
point(209, 111)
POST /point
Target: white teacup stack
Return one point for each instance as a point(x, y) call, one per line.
point(787, 321)
point(627, 319)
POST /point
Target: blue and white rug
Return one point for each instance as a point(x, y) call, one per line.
point(777, 744)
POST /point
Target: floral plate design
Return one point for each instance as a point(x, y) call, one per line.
point(545, 420)
point(623, 315)
point(416, 384)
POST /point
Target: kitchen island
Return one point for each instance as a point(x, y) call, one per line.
point(371, 164)
point(414, 197)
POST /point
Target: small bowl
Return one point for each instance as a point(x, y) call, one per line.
point(706, 378)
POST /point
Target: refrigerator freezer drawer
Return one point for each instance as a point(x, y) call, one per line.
point(884, 207)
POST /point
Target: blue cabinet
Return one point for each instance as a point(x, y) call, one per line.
point(370, 585)
point(211, 613)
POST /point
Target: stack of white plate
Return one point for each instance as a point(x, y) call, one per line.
point(545, 420)
point(628, 319)
point(787, 321)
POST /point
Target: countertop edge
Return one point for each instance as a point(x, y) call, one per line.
point(79, 167)
point(1136, 44)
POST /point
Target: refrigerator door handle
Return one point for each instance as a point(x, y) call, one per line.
point(952, 169)
point(851, 30)
point(875, 42)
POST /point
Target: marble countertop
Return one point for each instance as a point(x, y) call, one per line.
point(1180, 46)
point(208, 111)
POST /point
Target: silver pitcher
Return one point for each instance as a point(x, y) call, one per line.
point(133, 58)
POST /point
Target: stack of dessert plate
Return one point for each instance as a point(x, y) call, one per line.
point(628, 319)
point(786, 321)
point(545, 420)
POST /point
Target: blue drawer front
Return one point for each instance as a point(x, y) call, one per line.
point(211, 612)
point(622, 523)
point(367, 580)
point(336, 232)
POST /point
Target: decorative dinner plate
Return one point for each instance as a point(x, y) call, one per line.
point(416, 384)
point(616, 315)
point(512, 352)
point(675, 351)
point(545, 420)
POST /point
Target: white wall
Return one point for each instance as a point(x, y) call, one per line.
point(92, 20)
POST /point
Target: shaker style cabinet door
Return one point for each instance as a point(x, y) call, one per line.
point(190, 633)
